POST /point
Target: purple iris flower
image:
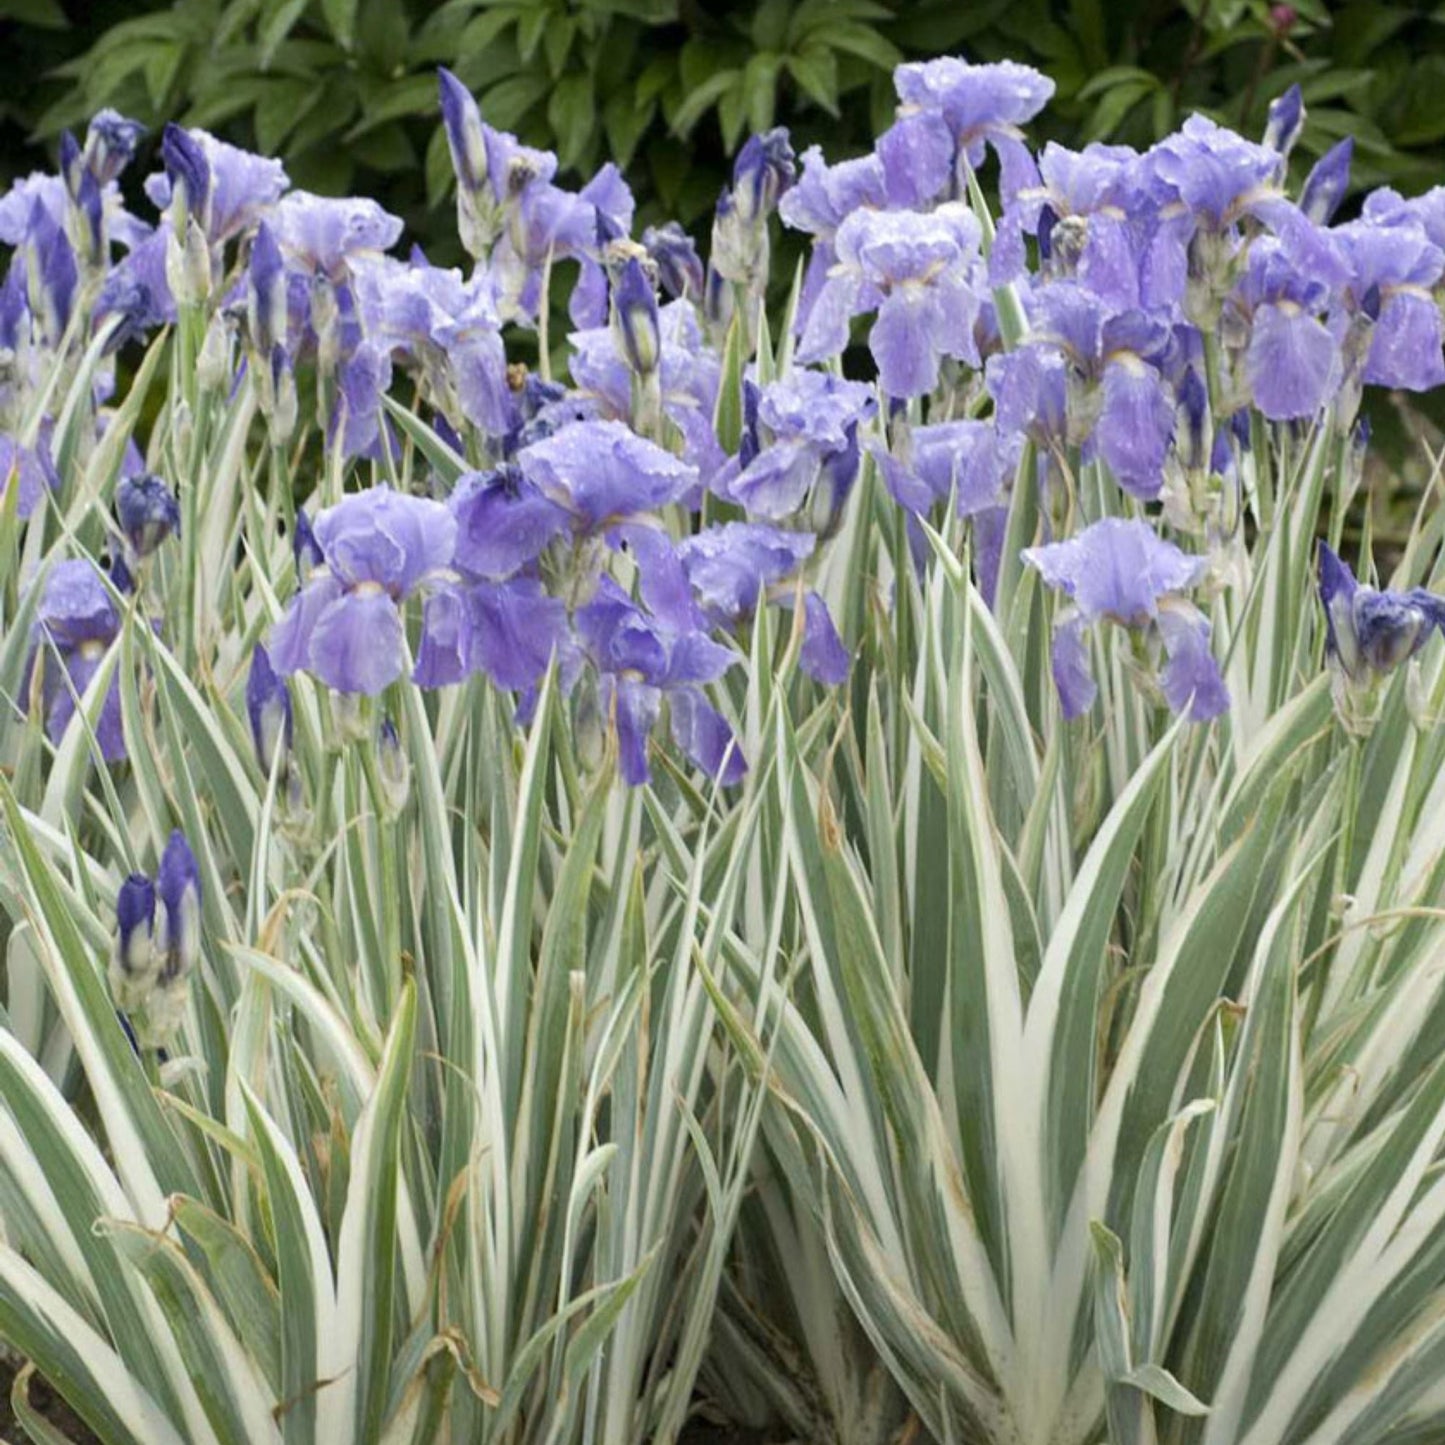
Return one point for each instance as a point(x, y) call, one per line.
point(601, 473)
point(730, 568)
point(29, 469)
point(822, 199)
point(982, 105)
point(1112, 364)
point(509, 630)
point(322, 236)
point(504, 522)
point(1293, 361)
point(610, 204)
point(922, 275)
point(76, 623)
point(1123, 572)
point(1369, 633)
point(641, 664)
point(802, 433)
point(973, 460)
point(1394, 269)
point(1091, 217)
point(345, 625)
point(225, 189)
point(1204, 181)
point(447, 329)
point(1030, 388)
point(491, 168)
point(18, 206)
point(148, 512)
point(731, 565)
point(137, 290)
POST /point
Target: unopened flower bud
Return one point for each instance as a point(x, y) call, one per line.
point(266, 309)
point(178, 884)
point(1327, 183)
point(188, 264)
point(189, 173)
point(268, 705)
point(134, 963)
point(213, 365)
point(110, 144)
point(635, 318)
point(148, 512)
point(1286, 121)
point(392, 767)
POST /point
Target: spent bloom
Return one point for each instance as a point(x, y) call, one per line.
point(1123, 572)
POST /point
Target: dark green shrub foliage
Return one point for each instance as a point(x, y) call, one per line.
point(344, 91)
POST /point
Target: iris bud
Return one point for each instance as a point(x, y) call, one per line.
point(178, 882)
point(268, 705)
point(148, 512)
point(133, 964)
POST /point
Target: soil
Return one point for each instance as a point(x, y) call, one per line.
point(44, 1401)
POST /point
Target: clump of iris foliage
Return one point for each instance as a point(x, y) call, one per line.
point(879, 895)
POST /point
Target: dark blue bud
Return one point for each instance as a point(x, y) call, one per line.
point(1195, 444)
point(14, 310)
point(52, 274)
point(90, 207)
point(1239, 425)
point(465, 138)
point(749, 444)
point(178, 885)
point(1370, 302)
point(266, 309)
point(148, 512)
point(1327, 183)
point(1286, 121)
point(70, 163)
point(188, 169)
point(1361, 434)
point(1048, 219)
point(120, 577)
point(135, 912)
point(268, 704)
point(304, 546)
point(634, 310)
